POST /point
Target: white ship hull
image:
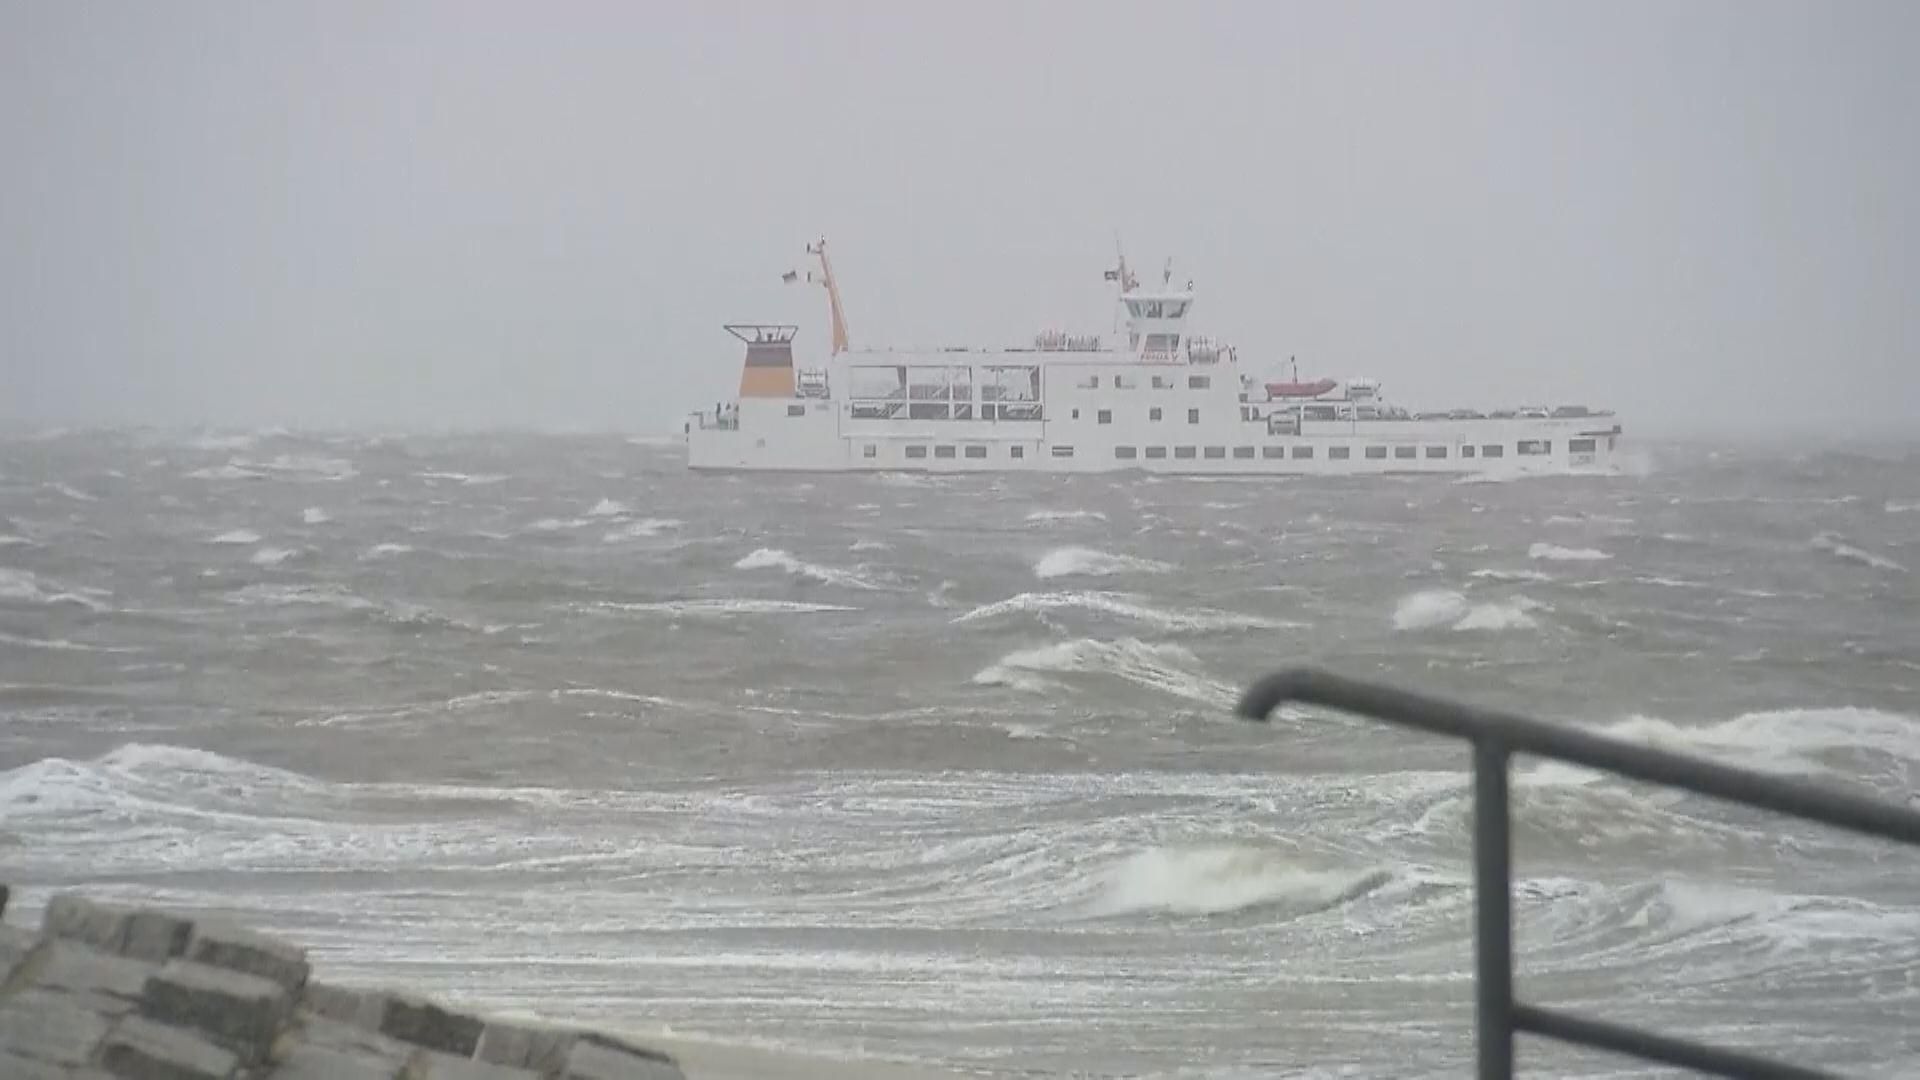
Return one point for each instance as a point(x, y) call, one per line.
point(825, 437)
point(1169, 403)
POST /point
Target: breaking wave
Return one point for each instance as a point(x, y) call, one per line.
point(272, 556)
point(777, 559)
point(1511, 575)
point(22, 586)
point(1835, 545)
point(1433, 608)
point(1556, 553)
point(1123, 606)
point(722, 606)
point(1055, 517)
point(1169, 669)
point(642, 529)
point(1090, 562)
point(1220, 878)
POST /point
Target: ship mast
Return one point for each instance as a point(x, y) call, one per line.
point(833, 295)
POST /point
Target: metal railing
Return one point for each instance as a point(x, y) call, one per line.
point(1496, 736)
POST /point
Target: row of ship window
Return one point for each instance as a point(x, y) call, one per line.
point(1525, 447)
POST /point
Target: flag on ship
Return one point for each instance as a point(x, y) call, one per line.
point(790, 276)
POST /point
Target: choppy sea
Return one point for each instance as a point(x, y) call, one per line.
point(943, 769)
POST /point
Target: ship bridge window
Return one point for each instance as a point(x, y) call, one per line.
point(976, 451)
point(940, 384)
point(1271, 452)
point(1125, 382)
point(1376, 453)
point(1436, 451)
point(1243, 452)
point(1302, 452)
point(796, 410)
point(1216, 452)
point(1467, 450)
point(1063, 451)
point(1162, 344)
point(869, 450)
point(1020, 383)
point(1534, 446)
point(1339, 453)
point(1016, 451)
point(875, 382)
point(1580, 446)
point(1087, 382)
point(1493, 450)
point(1160, 382)
point(1156, 451)
point(1125, 453)
point(1105, 416)
point(916, 451)
point(943, 451)
point(1183, 452)
point(1193, 416)
point(1153, 413)
point(1404, 451)
point(1199, 382)
point(1174, 309)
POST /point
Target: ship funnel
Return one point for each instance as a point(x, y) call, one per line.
point(768, 371)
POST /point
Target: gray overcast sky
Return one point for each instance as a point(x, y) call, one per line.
point(471, 213)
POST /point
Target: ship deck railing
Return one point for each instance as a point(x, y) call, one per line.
point(1496, 737)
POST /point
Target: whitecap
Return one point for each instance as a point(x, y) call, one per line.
point(1556, 553)
point(1219, 878)
point(1166, 668)
point(639, 530)
point(1835, 545)
point(777, 559)
point(609, 508)
point(1434, 608)
point(1125, 606)
point(1091, 562)
point(271, 556)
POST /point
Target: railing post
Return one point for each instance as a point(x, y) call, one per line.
point(1493, 909)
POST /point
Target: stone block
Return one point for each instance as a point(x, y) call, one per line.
point(76, 918)
point(139, 1049)
point(425, 1024)
point(309, 1062)
point(597, 1057)
point(330, 1001)
point(155, 936)
point(51, 1028)
point(243, 950)
point(16, 944)
point(351, 1039)
point(544, 1050)
point(19, 1068)
point(238, 1011)
point(429, 1065)
point(102, 982)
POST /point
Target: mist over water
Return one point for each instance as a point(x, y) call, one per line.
point(941, 768)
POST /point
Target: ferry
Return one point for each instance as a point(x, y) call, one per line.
point(1160, 399)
